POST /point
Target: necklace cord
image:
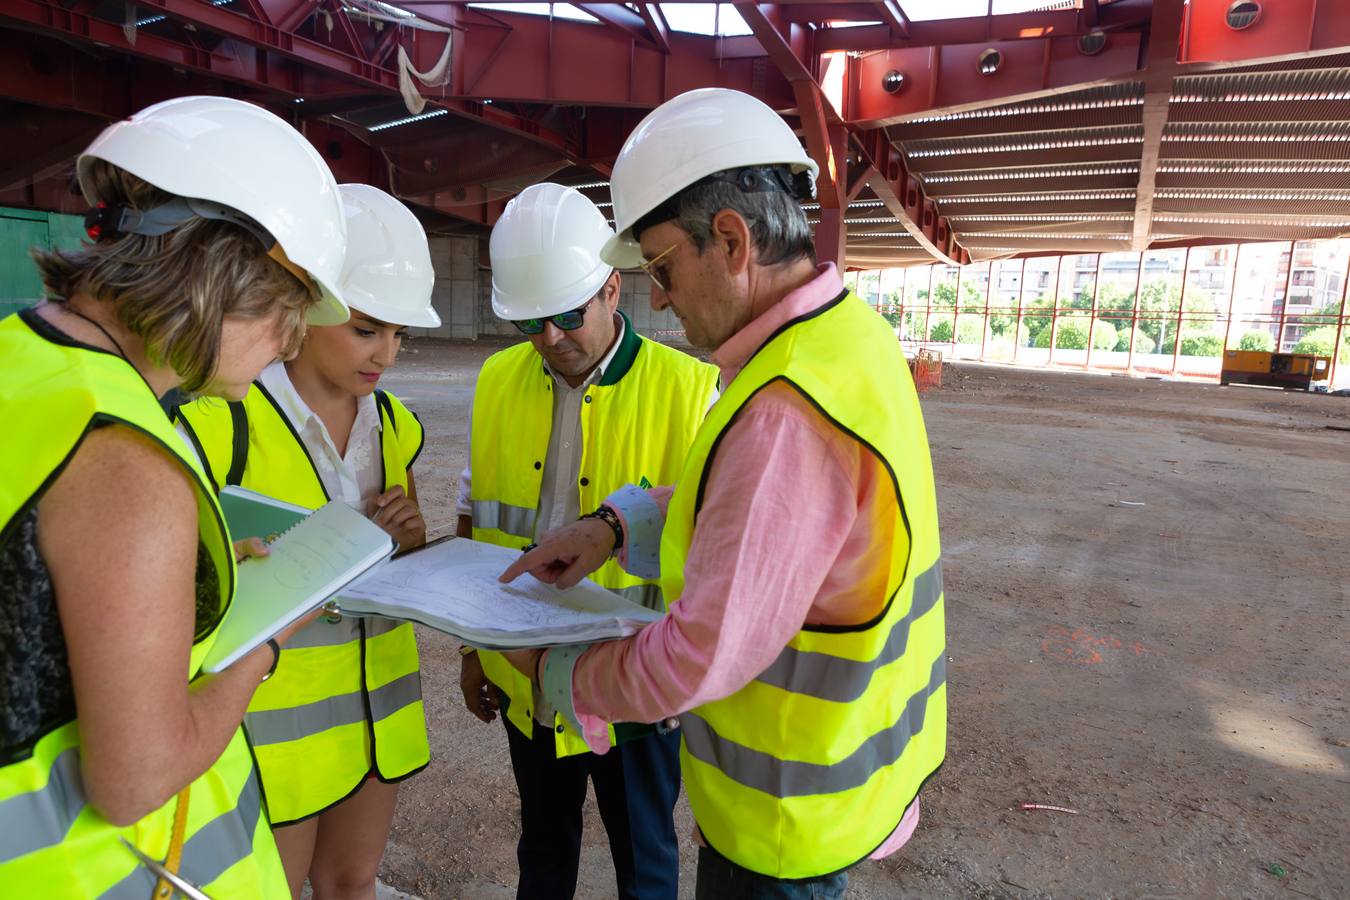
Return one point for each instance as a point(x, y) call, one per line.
point(120, 352)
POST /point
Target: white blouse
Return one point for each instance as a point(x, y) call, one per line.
point(355, 478)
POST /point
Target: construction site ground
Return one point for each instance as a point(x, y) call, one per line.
point(1146, 594)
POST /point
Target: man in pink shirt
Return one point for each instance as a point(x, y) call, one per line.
point(804, 647)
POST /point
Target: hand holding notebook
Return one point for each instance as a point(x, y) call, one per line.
point(314, 559)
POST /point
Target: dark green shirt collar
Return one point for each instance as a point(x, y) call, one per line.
point(623, 359)
point(624, 355)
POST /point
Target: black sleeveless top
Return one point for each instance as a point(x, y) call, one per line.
point(36, 693)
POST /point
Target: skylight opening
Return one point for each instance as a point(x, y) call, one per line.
point(705, 18)
point(558, 10)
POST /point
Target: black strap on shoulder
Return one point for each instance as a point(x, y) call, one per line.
point(386, 407)
point(239, 419)
point(181, 421)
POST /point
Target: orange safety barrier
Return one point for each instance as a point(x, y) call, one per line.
point(926, 367)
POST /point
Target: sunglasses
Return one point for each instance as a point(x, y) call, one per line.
point(567, 321)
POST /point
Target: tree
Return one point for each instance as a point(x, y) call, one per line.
point(972, 299)
point(941, 330)
point(1142, 342)
point(970, 330)
point(1070, 334)
point(944, 294)
point(1104, 336)
point(869, 285)
point(1204, 344)
point(1113, 298)
point(1320, 340)
point(1255, 339)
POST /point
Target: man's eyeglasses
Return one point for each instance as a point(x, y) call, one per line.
point(658, 273)
point(567, 321)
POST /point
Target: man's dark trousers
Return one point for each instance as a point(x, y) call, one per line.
point(636, 784)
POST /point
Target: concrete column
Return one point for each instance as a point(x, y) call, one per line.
point(635, 300)
point(455, 259)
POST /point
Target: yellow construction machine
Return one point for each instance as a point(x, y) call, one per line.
point(1291, 371)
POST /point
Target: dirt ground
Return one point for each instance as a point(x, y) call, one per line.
point(1146, 587)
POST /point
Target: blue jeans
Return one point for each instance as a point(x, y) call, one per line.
point(721, 879)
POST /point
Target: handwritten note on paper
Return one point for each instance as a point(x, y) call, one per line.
point(305, 558)
point(453, 587)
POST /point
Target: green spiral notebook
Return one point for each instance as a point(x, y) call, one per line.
point(251, 514)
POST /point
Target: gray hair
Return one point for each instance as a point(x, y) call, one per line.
point(778, 226)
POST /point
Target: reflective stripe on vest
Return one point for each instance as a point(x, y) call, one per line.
point(516, 521)
point(843, 680)
point(276, 726)
point(637, 427)
point(46, 813)
point(792, 778)
point(212, 850)
point(810, 766)
point(346, 697)
point(52, 841)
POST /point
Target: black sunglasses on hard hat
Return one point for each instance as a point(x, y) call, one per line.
point(567, 321)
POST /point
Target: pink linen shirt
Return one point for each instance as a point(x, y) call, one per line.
point(786, 541)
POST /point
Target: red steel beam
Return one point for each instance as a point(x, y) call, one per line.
point(905, 199)
point(1091, 16)
point(948, 79)
point(261, 55)
point(1288, 28)
point(471, 204)
point(1164, 35)
point(1121, 15)
point(239, 63)
point(656, 24)
point(225, 22)
point(541, 60)
point(826, 138)
point(616, 15)
point(788, 44)
point(894, 17)
point(42, 142)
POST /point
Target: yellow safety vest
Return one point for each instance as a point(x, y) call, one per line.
point(346, 699)
point(636, 423)
point(52, 842)
point(809, 768)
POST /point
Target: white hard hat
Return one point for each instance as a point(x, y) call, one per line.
point(545, 253)
point(387, 273)
point(233, 154)
point(687, 138)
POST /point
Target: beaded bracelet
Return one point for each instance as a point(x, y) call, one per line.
point(607, 515)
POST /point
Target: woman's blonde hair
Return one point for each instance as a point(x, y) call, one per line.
point(174, 290)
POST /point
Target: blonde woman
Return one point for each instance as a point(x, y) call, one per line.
point(216, 229)
point(341, 723)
